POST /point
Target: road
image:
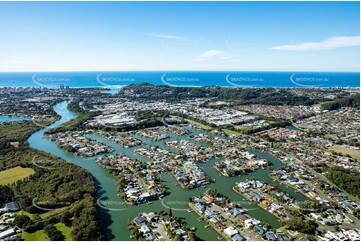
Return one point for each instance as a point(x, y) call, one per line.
point(247, 233)
point(162, 232)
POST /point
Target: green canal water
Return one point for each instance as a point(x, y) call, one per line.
point(114, 214)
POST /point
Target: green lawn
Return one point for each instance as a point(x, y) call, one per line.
point(228, 131)
point(52, 212)
point(43, 215)
point(262, 205)
point(40, 235)
point(14, 174)
point(202, 125)
point(22, 212)
point(65, 230)
point(36, 236)
point(296, 237)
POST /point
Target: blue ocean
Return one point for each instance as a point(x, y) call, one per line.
point(182, 78)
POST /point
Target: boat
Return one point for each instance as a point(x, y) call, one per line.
point(206, 226)
point(189, 210)
point(193, 229)
point(219, 238)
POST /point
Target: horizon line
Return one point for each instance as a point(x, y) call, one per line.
point(181, 71)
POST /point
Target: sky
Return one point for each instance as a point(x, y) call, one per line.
point(212, 36)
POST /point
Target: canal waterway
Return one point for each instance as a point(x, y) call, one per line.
point(5, 119)
point(114, 213)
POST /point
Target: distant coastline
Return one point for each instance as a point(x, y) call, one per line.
point(115, 80)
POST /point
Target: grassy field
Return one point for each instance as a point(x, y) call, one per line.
point(52, 212)
point(36, 236)
point(14, 174)
point(202, 125)
point(22, 212)
point(296, 237)
point(353, 153)
point(228, 131)
point(65, 230)
point(262, 205)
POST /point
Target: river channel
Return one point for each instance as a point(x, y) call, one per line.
point(114, 213)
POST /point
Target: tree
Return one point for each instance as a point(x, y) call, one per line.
point(22, 221)
point(53, 233)
point(66, 218)
point(6, 194)
point(298, 224)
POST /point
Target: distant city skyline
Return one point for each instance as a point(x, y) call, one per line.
point(205, 36)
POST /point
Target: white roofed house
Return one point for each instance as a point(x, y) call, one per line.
point(230, 231)
point(10, 207)
point(7, 233)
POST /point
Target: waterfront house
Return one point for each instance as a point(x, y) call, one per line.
point(271, 236)
point(293, 180)
point(255, 196)
point(250, 222)
point(208, 198)
point(230, 231)
point(200, 208)
point(221, 225)
point(235, 211)
point(139, 221)
point(259, 229)
point(151, 217)
point(267, 202)
point(238, 237)
point(209, 212)
point(144, 229)
point(242, 217)
point(282, 236)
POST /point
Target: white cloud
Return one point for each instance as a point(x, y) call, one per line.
point(164, 36)
point(213, 54)
point(174, 38)
point(327, 44)
point(13, 62)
